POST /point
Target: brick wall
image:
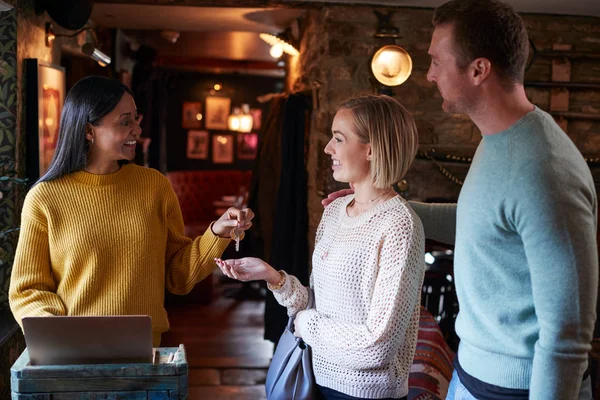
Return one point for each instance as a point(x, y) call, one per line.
point(335, 49)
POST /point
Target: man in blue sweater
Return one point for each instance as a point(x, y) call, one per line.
point(524, 227)
point(526, 262)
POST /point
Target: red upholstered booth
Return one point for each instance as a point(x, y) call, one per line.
point(197, 191)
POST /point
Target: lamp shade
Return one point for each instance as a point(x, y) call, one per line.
point(245, 123)
point(246, 120)
point(391, 65)
point(285, 46)
point(233, 122)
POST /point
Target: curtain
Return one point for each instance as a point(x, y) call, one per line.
point(278, 195)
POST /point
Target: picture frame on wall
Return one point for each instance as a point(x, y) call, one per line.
point(217, 112)
point(256, 118)
point(191, 115)
point(197, 144)
point(45, 96)
point(222, 149)
point(247, 146)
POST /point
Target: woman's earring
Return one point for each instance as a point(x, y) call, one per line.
point(92, 141)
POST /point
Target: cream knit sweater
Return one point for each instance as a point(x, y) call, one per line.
point(367, 276)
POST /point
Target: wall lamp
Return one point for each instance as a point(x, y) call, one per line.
point(391, 64)
point(89, 49)
point(278, 46)
point(240, 120)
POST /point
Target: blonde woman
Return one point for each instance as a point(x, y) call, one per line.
point(368, 262)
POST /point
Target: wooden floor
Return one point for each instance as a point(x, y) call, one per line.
point(226, 353)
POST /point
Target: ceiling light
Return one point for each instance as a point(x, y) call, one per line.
point(274, 40)
point(169, 36)
point(276, 50)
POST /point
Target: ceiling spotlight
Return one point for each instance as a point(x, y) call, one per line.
point(285, 46)
point(90, 50)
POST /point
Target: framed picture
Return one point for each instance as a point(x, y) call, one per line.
point(191, 115)
point(197, 145)
point(256, 118)
point(45, 99)
point(222, 149)
point(247, 144)
point(217, 112)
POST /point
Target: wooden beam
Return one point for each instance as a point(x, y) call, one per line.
point(575, 115)
point(566, 85)
point(221, 3)
point(197, 62)
point(568, 54)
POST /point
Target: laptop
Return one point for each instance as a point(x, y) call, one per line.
point(88, 340)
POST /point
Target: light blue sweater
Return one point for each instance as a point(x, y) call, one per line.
point(526, 262)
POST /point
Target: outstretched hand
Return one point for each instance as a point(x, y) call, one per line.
point(332, 196)
point(233, 218)
point(248, 269)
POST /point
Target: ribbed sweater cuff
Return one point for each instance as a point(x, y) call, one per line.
point(496, 369)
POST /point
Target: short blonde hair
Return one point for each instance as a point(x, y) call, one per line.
point(391, 131)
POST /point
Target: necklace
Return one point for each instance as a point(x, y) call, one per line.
point(372, 200)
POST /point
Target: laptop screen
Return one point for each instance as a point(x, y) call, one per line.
point(88, 339)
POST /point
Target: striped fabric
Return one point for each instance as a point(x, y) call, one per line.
point(431, 371)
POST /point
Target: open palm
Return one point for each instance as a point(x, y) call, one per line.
point(245, 269)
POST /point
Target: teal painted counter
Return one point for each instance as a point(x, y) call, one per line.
point(162, 380)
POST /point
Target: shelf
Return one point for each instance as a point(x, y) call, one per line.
point(566, 85)
point(569, 54)
point(575, 115)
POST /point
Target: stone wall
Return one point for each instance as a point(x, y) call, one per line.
point(22, 35)
point(336, 46)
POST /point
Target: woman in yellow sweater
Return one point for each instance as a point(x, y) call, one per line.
point(100, 236)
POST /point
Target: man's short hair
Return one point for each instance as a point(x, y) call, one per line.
point(488, 29)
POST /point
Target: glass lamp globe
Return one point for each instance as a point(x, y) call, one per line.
point(233, 122)
point(246, 120)
point(391, 65)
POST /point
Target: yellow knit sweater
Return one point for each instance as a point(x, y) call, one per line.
point(106, 245)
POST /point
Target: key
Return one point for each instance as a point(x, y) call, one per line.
point(237, 234)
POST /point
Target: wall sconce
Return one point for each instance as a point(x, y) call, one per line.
point(246, 120)
point(279, 46)
point(89, 49)
point(233, 122)
point(240, 121)
point(391, 64)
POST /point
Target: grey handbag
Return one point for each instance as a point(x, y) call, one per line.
point(290, 375)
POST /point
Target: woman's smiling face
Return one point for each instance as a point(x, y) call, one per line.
point(348, 153)
point(116, 136)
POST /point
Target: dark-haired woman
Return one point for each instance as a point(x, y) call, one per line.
point(101, 236)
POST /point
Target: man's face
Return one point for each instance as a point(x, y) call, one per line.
point(452, 82)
